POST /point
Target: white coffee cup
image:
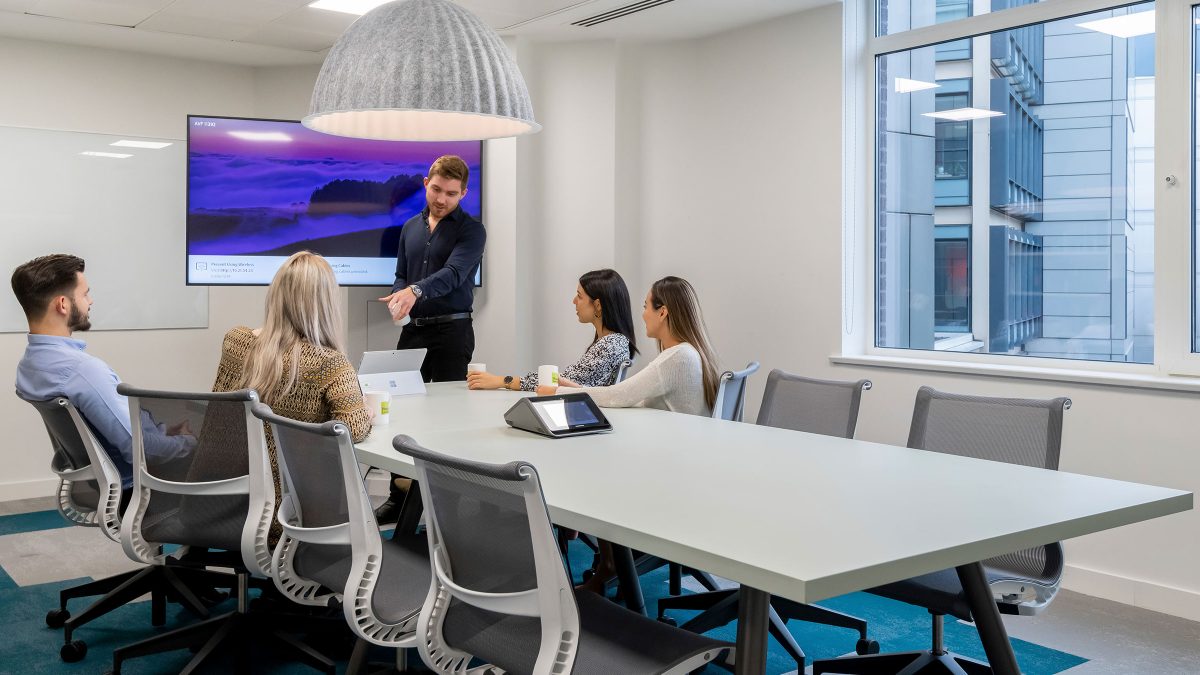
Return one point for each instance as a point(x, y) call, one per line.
point(547, 376)
point(378, 402)
point(476, 367)
point(403, 321)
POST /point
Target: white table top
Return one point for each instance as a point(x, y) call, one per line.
point(798, 515)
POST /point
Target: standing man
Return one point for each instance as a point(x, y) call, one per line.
point(440, 249)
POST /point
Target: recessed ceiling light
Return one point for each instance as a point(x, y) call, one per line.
point(1124, 26)
point(905, 85)
point(359, 7)
point(268, 136)
point(963, 114)
point(113, 155)
point(149, 145)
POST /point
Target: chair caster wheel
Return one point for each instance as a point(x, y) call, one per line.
point(73, 651)
point(864, 647)
point(56, 618)
point(668, 620)
point(587, 575)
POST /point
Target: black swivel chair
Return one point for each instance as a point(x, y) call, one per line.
point(1017, 431)
point(89, 494)
point(331, 551)
point(500, 596)
point(220, 497)
point(827, 407)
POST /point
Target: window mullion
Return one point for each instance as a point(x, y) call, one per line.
point(1041, 12)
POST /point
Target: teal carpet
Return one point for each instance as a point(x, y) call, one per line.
point(29, 647)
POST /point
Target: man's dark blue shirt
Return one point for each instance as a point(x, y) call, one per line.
point(442, 264)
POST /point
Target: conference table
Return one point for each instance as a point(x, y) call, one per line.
point(801, 516)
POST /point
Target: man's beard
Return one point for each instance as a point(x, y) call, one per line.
point(77, 321)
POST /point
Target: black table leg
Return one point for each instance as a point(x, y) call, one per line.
point(751, 656)
point(987, 620)
point(410, 512)
point(627, 577)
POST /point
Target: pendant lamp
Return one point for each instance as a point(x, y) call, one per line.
point(420, 70)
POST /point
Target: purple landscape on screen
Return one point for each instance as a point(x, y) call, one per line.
point(258, 187)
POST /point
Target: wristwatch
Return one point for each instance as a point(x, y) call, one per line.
point(507, 380)
point(416, 291)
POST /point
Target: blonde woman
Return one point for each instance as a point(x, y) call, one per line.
point(684, 376)
point(296, 361)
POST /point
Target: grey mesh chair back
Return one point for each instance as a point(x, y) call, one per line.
point(330, 537)
point(219, 495)
point(828, 407)
point(89, 484)
point(622, 371)
point(1012, 430)
point(731, 393)
point(495, 561)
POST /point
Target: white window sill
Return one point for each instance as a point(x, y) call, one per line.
point(1133, 381)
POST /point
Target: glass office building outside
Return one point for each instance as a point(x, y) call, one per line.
point(1013, 186)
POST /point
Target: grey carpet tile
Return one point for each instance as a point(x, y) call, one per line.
point(63, 553)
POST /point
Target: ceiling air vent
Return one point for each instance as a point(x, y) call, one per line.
point(632, 8)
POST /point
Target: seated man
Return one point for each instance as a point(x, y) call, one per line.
point(55, 296)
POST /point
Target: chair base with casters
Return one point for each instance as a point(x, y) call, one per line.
point(162, 582)
point(239, 631)
point(720, 607)
point(906, 663)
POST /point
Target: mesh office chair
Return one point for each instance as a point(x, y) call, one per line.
point(221, 496)
point(500, 593)
point(331, 548)
point(622, 371)
point(827, 407)
point(89, 494)
point(1017, 431)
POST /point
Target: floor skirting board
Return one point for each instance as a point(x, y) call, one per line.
point(1137, 592)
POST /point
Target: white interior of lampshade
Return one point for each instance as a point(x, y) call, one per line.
point(418, 125)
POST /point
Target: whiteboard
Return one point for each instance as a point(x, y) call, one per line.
point(124, 217)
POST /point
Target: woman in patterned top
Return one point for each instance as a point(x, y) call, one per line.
point(602, 300)
point(296, 361)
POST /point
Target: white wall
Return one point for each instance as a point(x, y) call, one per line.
point(728, 156)
point(83, 89)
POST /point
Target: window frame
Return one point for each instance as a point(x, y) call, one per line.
point(1173, 245)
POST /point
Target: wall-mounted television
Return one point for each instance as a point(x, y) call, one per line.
point(261, 190)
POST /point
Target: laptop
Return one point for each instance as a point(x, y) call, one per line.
point(396, 371)
point(391, 361)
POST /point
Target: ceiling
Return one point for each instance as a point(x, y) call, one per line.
point(288, 32)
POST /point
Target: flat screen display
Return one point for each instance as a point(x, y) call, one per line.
point(261, 190)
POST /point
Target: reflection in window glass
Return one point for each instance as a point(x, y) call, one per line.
point(894, 16)
point(1062, 219)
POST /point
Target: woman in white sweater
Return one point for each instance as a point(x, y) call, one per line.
point(683, 377)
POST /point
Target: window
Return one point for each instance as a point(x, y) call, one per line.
point(1024, 164)
point(952, 279)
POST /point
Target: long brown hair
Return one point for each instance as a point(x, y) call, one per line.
point(302, 306)
point(686, 322)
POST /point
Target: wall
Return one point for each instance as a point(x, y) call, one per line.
point(83, 89)
point(734, 145)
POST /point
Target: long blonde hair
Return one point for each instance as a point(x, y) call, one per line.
point(686, 322)
point(302, 306)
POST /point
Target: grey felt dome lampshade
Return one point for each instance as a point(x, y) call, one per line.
point(420, 70)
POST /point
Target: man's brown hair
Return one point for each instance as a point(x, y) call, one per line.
point(451, 167)
point(42, 279)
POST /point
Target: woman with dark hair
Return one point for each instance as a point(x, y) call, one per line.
point(684, 376)
point(602, 300)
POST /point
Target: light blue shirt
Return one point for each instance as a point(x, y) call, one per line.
point(56, 366)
